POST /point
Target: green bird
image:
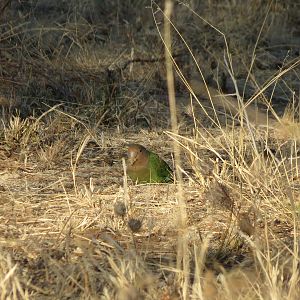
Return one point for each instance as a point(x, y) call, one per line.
point(144, 166)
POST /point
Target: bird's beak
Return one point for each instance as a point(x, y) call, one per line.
point(131, 156)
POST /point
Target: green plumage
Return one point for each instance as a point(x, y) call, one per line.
point(156, 171)
point(147, 167)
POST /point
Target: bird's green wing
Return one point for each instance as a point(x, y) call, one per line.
point(159, 169)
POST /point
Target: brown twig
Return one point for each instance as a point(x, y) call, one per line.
point(148, 60)
point(4, 6)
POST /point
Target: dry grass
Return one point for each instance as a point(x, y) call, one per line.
point(77, 85)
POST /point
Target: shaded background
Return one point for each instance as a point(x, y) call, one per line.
point(104, 60)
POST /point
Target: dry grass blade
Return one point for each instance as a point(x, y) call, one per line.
point(182, 252)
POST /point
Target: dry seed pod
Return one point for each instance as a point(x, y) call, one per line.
point(245, 224)
point(134, 224)
point(218, 196)
point(120, 209)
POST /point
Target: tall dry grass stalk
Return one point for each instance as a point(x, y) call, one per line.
point(182, 250)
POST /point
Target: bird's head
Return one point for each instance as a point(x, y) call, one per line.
point(136, 154)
